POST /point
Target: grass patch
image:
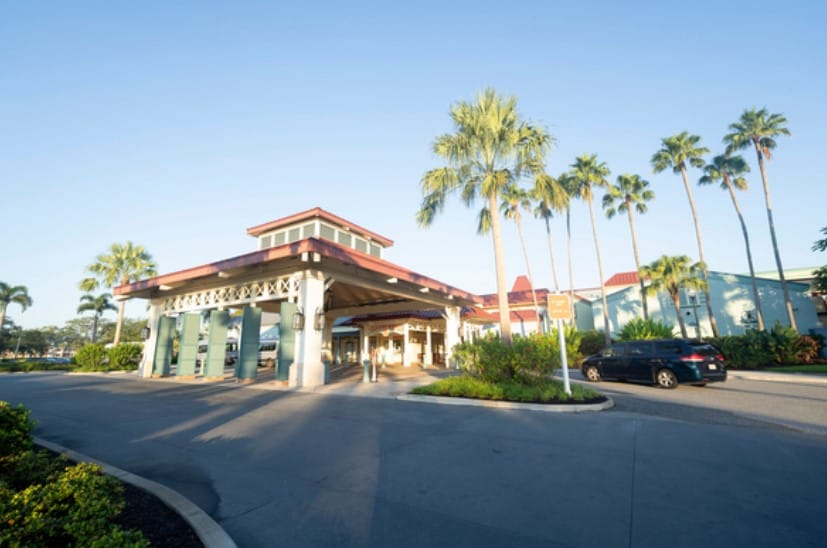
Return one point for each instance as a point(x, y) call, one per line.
point(802, 368)
point(546, 391)
point(17, 366)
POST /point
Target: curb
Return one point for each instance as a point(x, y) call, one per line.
point(208, 531)
point(549, 408)
point(803, 378)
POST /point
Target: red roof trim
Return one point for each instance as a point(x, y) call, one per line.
point(321, 213)
point(310, 245)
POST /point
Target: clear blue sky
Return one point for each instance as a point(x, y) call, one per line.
point(177, 125)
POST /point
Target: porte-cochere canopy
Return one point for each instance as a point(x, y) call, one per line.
point(312, 263)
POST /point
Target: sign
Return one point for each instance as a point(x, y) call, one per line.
point(558, 307)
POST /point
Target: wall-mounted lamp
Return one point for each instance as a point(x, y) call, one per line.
point(298, 319)
point(145, 332)
point(318, 319)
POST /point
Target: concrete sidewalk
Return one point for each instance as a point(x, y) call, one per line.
point(773, 376)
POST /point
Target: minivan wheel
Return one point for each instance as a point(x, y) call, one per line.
point(592, 373)
point(665, 378)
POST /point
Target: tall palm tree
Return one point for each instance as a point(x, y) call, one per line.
point(675, 152)
point(551, 197)
point(17, 294)
point(670, 275)
point(123, 264)
point(569, 185)
point(491, 150)
point(760, 128)
point(729, 171)
point(515, 200)
point(589, 174)
point(630, 192)
point(98, 305)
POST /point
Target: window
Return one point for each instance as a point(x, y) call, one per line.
point(264, 242)
point(344, 238)
point(308, 230)
point(375, 250)
point(278, 238)
point(328, 232)
point(293, 235)
point(668, 347)
point(361, 245)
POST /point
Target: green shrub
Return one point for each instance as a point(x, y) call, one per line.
point(592, 341)
point(75, 509)
point(465, 386)
point(92, 357)
point(639, 328)
point(15, 429)
point(125, 356)
point(19, 470)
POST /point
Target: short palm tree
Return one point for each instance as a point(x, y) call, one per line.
point(675, 152)
point(759, 128)
point(98, 305)
point(123, 264)
point(630, 192)
point(729, 170)
point(491, 150)
point(670, 275)
point(515, 200)
point(569, 186)
point(17, 294)
point(589, 174)
point(550, 197)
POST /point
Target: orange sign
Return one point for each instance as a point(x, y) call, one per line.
point(558, 307)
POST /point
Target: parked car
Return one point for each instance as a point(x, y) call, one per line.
point(229, 358)
point(268, 353)
point(664, 362)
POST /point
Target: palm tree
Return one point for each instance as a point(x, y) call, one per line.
point(729, 170)
point(760, 128)
point(516, 199)
point(588, 174)
point(17, 294)
point(551, 197)
point(98, 305)
point(569, 186)
point(491, 150)
point(670, 275)
point(123, 264)
point(630, 191)
point(676, 151)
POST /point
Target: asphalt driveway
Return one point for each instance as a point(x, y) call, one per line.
point(278, 468)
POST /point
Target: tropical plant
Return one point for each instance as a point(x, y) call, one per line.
point(589, 174)
point(569, 186)
point(820, 275)
point(17, 294)
point(639, 328)
point(759, 128)
point(515, 200)
point(125, 356)
point(630, 192)
point(491, 151)
point(98, 305)
point(550, 197)
point(123, 264)
point(670, 275)
point(729, 171)
point(92, 357)
point(675, 152)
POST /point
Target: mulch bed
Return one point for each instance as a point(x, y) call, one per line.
point(162, 526)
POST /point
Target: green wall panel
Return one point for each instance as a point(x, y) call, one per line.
point(163, 352)
point(287, 341)
point(217, 344)
point(188, 346)
point(247, 364)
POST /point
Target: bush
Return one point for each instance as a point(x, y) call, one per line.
point(15, 429)
point(781, 345)
point(125, 356)
point(592, 342)
point(465, 386)
point(92, 357)
point(639, 328)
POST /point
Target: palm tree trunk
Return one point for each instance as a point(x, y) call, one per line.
point(3, 307)
point(528, 271)
point(755, 295)
point(121, 306)
point(637, 260)
point(676, 300)
point(571, 266)
point(95, 328)
point(712, 323)
point(784, 287)
point(551, 254)
point(499, 264)
point(606, 328)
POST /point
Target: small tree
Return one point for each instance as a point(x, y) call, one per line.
point(98, 305)
point(670, 275)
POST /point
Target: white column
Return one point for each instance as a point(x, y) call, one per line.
point(452, 322)
point(148, 361)
point(308, 366)
point(365, 354)
point(406, 345)
point(428, 359)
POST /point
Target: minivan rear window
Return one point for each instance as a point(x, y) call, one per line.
point(705, 349)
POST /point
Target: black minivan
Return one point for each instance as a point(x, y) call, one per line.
point(664, 362)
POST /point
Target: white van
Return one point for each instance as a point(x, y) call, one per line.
point(229, 359)
point(268, 352)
